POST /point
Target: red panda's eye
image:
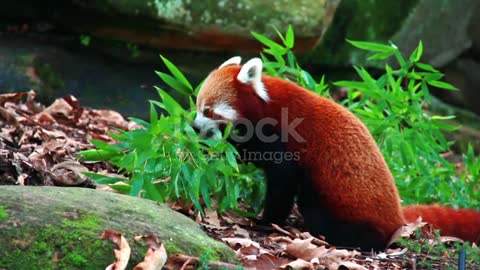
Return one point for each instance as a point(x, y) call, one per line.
point(207, 112)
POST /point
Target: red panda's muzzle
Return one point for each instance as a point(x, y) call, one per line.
point(207, 128)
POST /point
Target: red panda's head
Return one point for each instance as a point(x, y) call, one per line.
point(229, 93)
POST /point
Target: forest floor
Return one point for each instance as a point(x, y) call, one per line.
point(38, 146)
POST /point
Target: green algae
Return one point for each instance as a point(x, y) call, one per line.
point(3, 213)
point(67, 245)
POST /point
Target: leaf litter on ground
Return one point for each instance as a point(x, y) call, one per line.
point(38, 143)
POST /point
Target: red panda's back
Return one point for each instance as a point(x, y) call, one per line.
point(346, 167)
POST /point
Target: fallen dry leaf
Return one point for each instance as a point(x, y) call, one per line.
point(69, 173)
point(38, 160)
point(331, 257)
point(11, 97)
point(240, 232)
point(122, 253)
point(315, 240)
point(449, 239)
point(393, 252)
point(156, 256)
point(281, 230)
point(304, 249)
point(263, 261)
point(350, 266)
point(232, 218)
point(248, 251)
point(335, 258)
point(236, 243)
point(59, 108)
point(298, 264)
point(406, 230)
point(110, 118)
point(10, 116)
point(211, 219)
point(280, 241)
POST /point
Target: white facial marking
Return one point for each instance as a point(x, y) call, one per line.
point(226, 111)
point(251, 73)
point(204, 124)
point(236, 60)
point(202, 105)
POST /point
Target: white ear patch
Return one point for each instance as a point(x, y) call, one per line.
point(251, 73)
point(236, 60)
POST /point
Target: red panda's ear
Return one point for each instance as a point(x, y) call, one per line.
point(251, 73)
point(236, 60)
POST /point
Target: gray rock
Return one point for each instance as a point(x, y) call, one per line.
point(60, 228)
point(463, 73)
point(97, 80)
point(185, 24)
point(441, 24)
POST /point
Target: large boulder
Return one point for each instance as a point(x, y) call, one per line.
point(184, 24)
point(442, 25)
point(60, 228)
point(448, 29)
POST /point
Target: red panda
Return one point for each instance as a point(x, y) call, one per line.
point(329, 160)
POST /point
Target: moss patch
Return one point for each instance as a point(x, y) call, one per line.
point(3, 213)
point(49, 76)
point(235, 17)
point(65, 246)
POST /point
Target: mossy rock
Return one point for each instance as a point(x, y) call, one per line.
point(185, 24)
point(236, 17)
point(441, 25)
point(373, 20)
point(60, 228)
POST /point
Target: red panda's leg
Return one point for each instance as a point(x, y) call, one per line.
point(323, 219)
point(280, 168)
point(282, 186)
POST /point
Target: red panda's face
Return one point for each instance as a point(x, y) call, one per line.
point(218, 99)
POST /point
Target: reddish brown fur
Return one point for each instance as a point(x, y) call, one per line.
point(461, 223)
point(347, 168)
point(354, 182)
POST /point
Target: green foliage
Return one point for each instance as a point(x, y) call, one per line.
point(85, 40)
point(3, 213)
point(432, 254)
point(285, 65)
point(205, 258)
point(168, 161)
point(134, 50)
point(392, 107)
